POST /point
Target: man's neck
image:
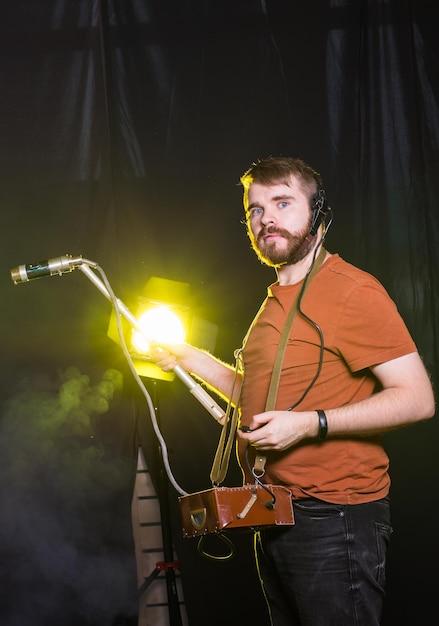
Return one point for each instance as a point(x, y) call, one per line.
point(294, 273)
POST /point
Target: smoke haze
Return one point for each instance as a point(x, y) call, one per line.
point(64, 520)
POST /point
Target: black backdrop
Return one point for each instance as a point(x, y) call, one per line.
point(124, 127)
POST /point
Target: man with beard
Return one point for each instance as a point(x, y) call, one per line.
point(350, 373)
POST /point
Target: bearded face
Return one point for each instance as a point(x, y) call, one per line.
point(291, 249)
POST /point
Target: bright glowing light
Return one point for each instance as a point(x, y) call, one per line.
point(160, 325)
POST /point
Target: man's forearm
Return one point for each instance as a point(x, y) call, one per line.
point(218, 376)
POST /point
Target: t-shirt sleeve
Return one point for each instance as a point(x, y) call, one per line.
point(371, 330)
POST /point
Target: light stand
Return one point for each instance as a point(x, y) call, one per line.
point(168, 565)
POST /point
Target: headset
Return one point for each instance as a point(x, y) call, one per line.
point(320, 210)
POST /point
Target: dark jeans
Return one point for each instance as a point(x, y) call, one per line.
point(329, 568)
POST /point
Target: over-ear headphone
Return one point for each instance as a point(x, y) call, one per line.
point(320, 208)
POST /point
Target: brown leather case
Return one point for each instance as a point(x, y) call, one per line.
point(224, 508)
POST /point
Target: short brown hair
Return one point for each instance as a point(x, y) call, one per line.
point(275, 170)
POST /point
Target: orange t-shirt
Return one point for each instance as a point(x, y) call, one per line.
point(361, 327)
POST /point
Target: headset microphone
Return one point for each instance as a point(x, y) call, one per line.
point(320, 209)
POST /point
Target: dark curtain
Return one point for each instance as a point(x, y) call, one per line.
point(124, 126)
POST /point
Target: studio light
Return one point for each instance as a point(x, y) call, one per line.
point(160, 325)
point(162, 314)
